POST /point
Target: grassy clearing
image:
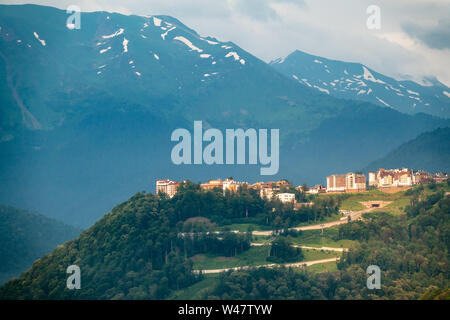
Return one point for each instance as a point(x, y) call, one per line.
point(314, 238)
point(198, 290)
point(333, 217)
point(397, 207)
point(352, 205)
point(311, 255)
point(261, 239)
point(243, 227)
point(255, 256)
point(353, 200)
point(323, 267)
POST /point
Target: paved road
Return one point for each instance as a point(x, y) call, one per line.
point(259, 244)
point(322, 248)
point(353, 215)
point(295, 264)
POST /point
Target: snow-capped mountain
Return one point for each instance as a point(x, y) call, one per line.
point(357, 81)
point(144, 59)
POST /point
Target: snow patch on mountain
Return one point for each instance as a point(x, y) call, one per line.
point(40, 40)
point(306, 82)
point(232, 54)
point(210, 42)
point(188, 43)
point(412, 92)
point(369, 76)
point(386, 104)
point(322, 89)
point(163, 36)
point(157, 22)
point(104, 50)
point(125, 44)
point(115, 34)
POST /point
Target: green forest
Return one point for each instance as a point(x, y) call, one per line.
point(146, 248)
point(412, 252)
point(25, 236)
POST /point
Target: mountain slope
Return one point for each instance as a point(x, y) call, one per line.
point(87, 114)
point(430, 152)
point(136, 252)
point(356, 81)
point(156, 62)
point(25, 237)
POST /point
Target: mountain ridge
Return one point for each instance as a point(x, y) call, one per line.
point(430, 151)
point(26, 236)
point(352, 80)
point(107, 108)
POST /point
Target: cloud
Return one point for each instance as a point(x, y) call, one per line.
point(437, 37)
point(262, 9)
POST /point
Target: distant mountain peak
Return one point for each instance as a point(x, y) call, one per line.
point(359, 82)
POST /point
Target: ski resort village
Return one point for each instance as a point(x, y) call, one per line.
point(387, 180)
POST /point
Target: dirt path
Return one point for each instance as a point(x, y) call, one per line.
point(294, 264)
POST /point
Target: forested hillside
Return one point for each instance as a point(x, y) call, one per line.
point(26, 236)
point(143, 249)
point(430, 151)
point(412, 252)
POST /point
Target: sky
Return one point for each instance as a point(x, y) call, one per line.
point(413, 40)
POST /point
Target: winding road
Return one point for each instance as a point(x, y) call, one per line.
point(272, 265)
point(260, 244)
point(353, 216)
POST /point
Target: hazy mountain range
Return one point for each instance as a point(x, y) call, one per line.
point(430, 151)
point(26, 236)
point(87, 114)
